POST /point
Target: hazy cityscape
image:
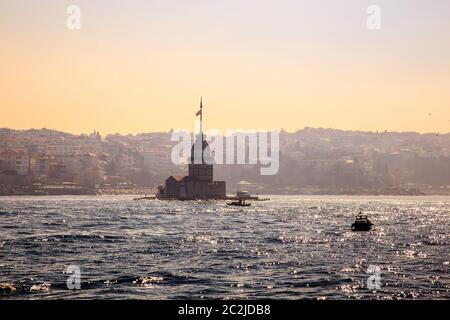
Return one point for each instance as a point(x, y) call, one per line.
point(312, 161)
point(234, 157)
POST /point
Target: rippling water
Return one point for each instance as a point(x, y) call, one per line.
point(288, 248)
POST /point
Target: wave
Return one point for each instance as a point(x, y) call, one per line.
point(25, 287)
point(8, 213)
point(21, 287)
point(74, 238)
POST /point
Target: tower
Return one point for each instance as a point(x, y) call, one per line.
point(200, 166)
point(199, 184)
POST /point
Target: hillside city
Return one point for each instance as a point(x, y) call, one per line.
point(312, 161)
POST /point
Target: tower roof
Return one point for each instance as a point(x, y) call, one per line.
point(200, 150)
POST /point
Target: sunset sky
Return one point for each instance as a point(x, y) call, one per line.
point(142, 65)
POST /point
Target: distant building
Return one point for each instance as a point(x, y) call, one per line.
point(17, 162)
point(125, 164)
point(40, 166)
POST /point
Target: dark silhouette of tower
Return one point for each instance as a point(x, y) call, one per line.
point(201, 162)
point(199, 184)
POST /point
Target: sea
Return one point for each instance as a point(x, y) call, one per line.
point(291, 247)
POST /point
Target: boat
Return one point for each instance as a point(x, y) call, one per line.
point(245, 195)
point(362, 223)
point(145, 198)
point(239, 203)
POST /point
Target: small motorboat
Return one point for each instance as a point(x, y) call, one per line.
point(145, 198)
point(239, 203)
point(362, 223)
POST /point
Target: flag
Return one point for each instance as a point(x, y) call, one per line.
point(199, 113)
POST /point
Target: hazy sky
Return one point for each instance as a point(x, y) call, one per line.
point(142, 65)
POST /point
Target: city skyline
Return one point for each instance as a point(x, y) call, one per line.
point(312, 160)
point(218, 132)
point(141, 66)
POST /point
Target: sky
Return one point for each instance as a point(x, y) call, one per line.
point(142, 65)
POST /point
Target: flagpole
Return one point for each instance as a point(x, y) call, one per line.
point(201, 126)
point(201, 118)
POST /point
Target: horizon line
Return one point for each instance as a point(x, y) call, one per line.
point(236, 129)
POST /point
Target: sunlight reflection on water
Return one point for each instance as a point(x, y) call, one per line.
point(287, 248)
